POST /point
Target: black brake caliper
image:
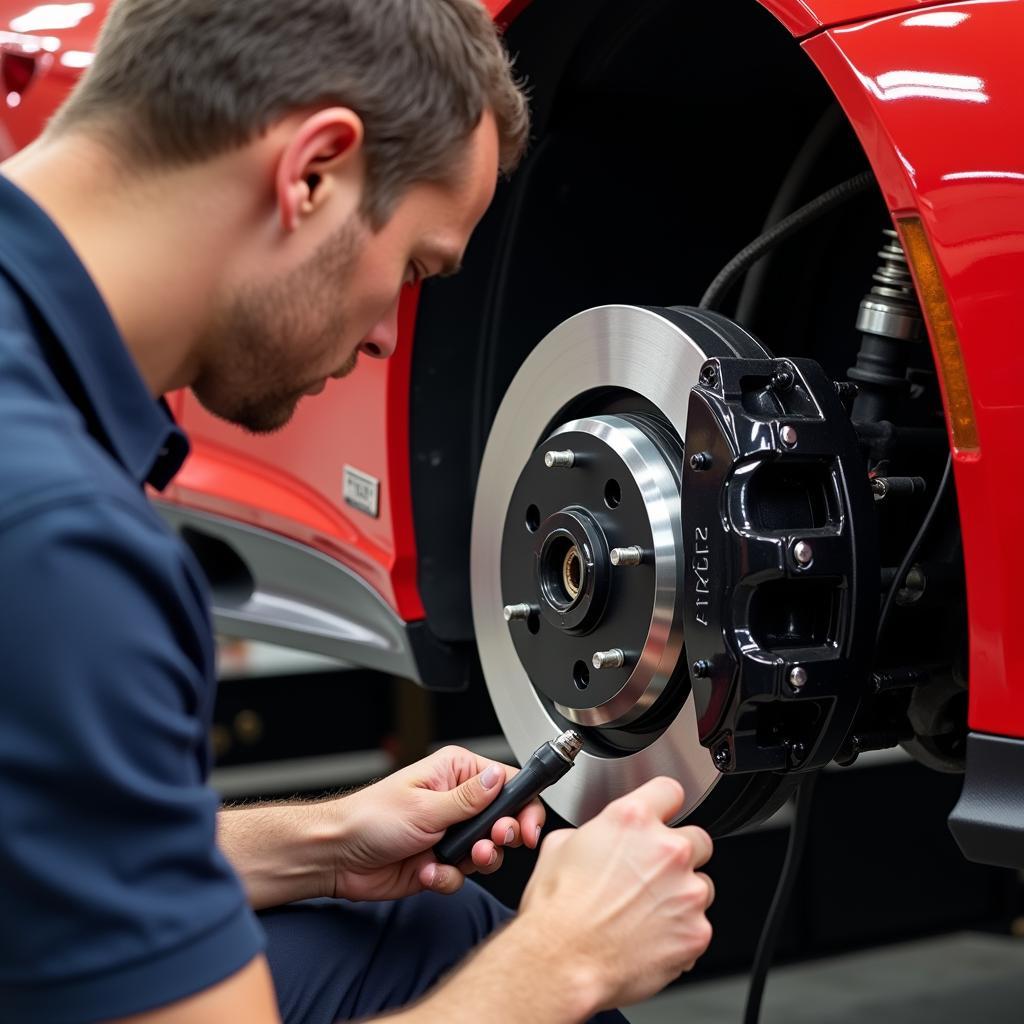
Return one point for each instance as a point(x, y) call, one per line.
point(782, 577)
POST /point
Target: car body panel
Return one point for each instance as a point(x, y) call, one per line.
point(802, 17)
point(936, 102)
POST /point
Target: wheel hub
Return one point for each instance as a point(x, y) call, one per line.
point(619, 491)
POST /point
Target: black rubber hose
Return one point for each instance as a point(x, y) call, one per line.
point(835, 197)
point(783, 891)
point(793, 184)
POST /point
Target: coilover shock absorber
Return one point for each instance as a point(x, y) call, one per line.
point(889, 321)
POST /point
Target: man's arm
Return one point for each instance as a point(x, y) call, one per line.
point(282, 852)
point(376, 843)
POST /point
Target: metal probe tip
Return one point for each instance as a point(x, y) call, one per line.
point(569, 744)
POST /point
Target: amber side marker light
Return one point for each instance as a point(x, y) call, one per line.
point(935, 304)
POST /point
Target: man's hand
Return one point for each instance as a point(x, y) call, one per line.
point(374, 844)
point(391, 827)
point(621, 895)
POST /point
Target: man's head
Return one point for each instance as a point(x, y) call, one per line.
point(369, 134)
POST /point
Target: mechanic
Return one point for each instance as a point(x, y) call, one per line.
point(232, 200)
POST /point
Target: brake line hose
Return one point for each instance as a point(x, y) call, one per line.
point(835, 197)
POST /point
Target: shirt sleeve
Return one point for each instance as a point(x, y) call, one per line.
point(116, 897)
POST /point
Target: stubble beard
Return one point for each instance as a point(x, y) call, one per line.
point(254, 377)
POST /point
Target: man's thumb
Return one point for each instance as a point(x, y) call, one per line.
point(473, 795)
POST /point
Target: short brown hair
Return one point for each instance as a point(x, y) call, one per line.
point(179, 81)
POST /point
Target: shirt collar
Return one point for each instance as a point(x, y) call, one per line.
point(138, 431)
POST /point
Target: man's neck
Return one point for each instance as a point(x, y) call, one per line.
point(152, 246)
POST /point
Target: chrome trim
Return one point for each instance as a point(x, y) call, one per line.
point(301, 598)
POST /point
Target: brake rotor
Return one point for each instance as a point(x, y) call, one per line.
point(577, 560)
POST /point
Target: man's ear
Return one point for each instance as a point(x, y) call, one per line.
point(320, 146)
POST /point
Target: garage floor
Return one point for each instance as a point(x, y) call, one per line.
point(948, 980)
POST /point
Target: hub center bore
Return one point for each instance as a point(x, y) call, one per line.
point(563, 573)
point(572, 572)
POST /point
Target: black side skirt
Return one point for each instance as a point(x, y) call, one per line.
point(988, 820)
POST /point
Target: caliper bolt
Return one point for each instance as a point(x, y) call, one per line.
point(782, 380)
point(626, 556)
point(560, 460)
point(518, 612)
point(609, 659)
point(701, 669)
point(803, 553)
point(722, 757)
point(708, 376)
point(798, 677)
point(788, 435)
point(700, 460)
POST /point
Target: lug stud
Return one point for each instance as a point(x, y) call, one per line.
point(609, 659)
point(803, 553)
point(626, 556)
point(518, 612)
point(798, 677)
point(788, 435)
point(700, 460)
point(701, 669)
point(560, 460)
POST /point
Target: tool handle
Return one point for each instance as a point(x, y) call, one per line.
point(543, 769)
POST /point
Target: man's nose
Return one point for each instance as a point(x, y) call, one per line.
point(382, 339)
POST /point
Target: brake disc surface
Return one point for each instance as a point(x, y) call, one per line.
point(608, 392)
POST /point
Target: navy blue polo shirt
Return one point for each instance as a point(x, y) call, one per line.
point(114, 897)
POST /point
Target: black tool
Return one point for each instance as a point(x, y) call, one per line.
point(548, 763)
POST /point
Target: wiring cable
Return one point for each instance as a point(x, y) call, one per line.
point(834, 198)
point(783, 891)
point(805, 793)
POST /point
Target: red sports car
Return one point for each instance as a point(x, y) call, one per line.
point(709, 452)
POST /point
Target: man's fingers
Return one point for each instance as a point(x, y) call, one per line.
point(485, 857)
point(531, 822)
point(701, 842)
point(442, 878)
point(662, 795)
point(711, 888)
point(506, 832)
point(472, 796)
